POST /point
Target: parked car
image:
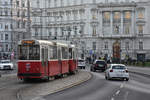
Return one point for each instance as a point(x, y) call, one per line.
point(99, 65)
point(117, 71)
point(81, 63)
point(6, 64)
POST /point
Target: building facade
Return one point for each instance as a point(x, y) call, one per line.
point(20, 22)
point(13, 26)
point(110, 28)
point(5, 29)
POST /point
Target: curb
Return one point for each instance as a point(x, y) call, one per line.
point(72, 85)
point(143, 74)
point(65, 87)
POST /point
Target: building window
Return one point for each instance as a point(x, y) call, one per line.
point(18, 24)
point(1, 25)
point(11, 26)
point(6, 47)
point(6, 36)
point(94, 45)
point(140, 28)
point(106, 45)
point(55, 3)
point(6, 27)
point(94, 31)
point(6, 3)
point(140, 45)
point(94, 1)
point(56, 32)
point(127, 45)
point(75, 30)
point(106, 15)
point(17, 3)
point(6, 12)
point(1, 36)
point(50, 33)
point(81, 1)
point(23, 14)
point(117, 15)
point(74, 2)
point(141, 13)
point(116, 29)
point(49, 3)
point(62, 31)
point(127, 15)
point(23, 4)
point(23, 24)
point(126, 28)
point(36, 32)
point(18, 14)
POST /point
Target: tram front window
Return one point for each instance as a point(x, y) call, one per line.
point(29, 52)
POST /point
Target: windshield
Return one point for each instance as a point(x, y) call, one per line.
point(100, 62)
point(5, 61)
point(80, 60)
point(118, 67)
point(29, 52)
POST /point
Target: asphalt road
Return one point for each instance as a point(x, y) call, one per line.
point(97, 88)
point(137, 88)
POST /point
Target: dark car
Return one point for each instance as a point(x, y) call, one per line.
point(99, 65)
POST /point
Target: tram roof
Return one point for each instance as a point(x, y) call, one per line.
point(44, 42)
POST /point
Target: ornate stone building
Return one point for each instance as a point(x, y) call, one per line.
point(112, 28)
point(5, 28)
point(13, 25)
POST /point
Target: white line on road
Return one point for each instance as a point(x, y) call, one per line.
point(38, 98)
point(112, 99)
point(121, 86)
point(117, 92)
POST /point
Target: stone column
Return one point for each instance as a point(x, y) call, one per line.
point(111, 23)
point(121, 22)
point(100, 23)
point(132, 22)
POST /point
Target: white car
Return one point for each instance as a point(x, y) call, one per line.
point(117, 71)
point(6, 64)
point(81, 63)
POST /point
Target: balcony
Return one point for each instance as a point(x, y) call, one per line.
point(140, 21)
point(126, 20)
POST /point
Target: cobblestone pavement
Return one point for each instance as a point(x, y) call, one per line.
point(29, 91)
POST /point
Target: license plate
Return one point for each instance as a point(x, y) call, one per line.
point(119, 75)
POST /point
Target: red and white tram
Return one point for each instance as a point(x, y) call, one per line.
point(44, 59)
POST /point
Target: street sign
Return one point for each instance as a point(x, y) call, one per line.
point(91, 52)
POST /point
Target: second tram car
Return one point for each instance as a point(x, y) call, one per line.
point(45, 59)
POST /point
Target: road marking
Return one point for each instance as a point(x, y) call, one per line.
point(121, 86)
point(117, 92)
point(112, 99)
point(38, 98)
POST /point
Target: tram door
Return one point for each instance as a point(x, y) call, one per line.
point(45, 61)
point(59, 60)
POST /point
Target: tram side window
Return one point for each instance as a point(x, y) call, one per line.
point(29, 52)
point(34, 53)
point(70, 53)
point(53, 52)
point(23, 51)
point(64, 53)
point(59, 53)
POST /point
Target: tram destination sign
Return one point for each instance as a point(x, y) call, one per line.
point(28, 42)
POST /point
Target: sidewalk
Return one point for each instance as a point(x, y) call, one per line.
point(139, 70)
point(37, 91)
